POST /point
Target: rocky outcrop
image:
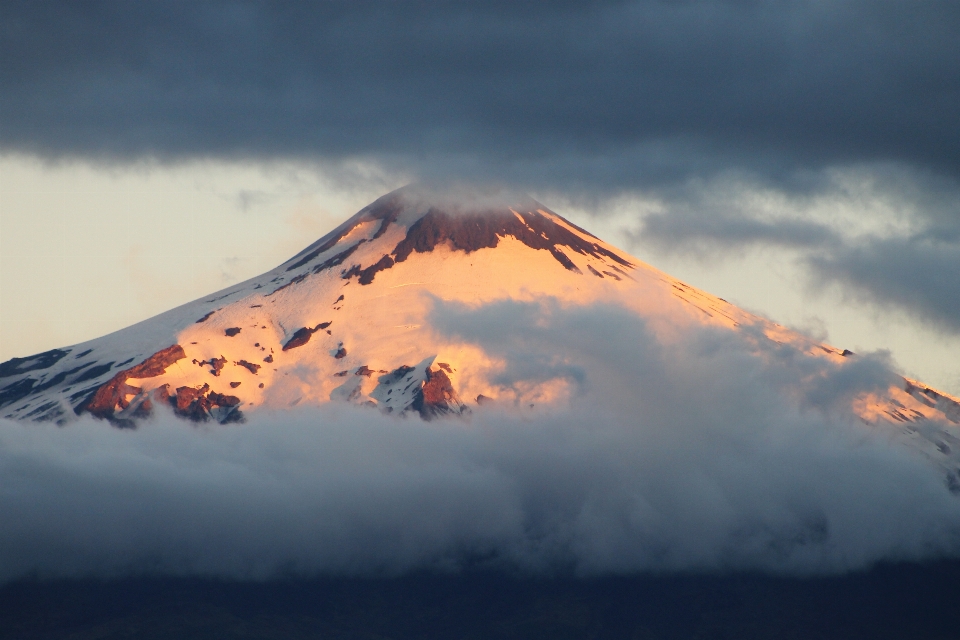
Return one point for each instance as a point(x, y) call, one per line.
point(45, 360)
point(302, 336)
point(232, 331)
point(474, 231)
point(94, 372)
point(27, 386)
point(216, 364)
point(200, 404)
point(249, 366)
point(437, 396)
point(934, 399)
point(367, 275)
point(385, 209)
point(112, 395)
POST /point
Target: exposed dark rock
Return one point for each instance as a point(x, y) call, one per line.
point(326, 245)
point(226, 295)
point(222, 400)
point(364, 370)
point(367, 275)
point(337, 259)
point(249, 366)
point(268, 359)
point(627, 275)
point(445, 367)
point(41, 409)
point(482, 399)
point(477, 231)
point(437, 397)
point(216, 363)
point(197, 403)
point(338, 299)
point(385, 209)
point(83, 393)
point(564, 260)
point(302, 336)
point(341, 374)
point(594, 271)
point(93, 372)
point(341, 352)
point(846, 352)
point(105, 400)
point(934, 399)
point(82, 353)
point(207, 316)
point(293, 281)
point(129, 360)
point(234, 385)
point(352, 271)
point(16, 391)
point(27, 386)
point(187, 402)
point(255, 306)
point(260, 386)
point(232, 331)
point(613, 275)
point(401, 371)
point(387, 212)
point(16, 366)
point(474, 231)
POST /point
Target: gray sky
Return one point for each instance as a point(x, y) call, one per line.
point(799, 158)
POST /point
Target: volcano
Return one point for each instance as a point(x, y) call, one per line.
point(351, 318)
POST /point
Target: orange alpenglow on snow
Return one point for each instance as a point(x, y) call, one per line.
point(353, 318)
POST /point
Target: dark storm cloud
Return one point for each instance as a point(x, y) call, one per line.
point(622, 93)
point(716, 451)
point(674, 229)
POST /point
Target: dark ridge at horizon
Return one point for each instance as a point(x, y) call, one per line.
point(890, 601)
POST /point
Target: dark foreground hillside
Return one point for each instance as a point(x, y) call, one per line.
point(897, 602)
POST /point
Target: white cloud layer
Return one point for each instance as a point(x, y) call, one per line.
point(692, 456)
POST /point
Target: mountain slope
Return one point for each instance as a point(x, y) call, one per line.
point(350, 319)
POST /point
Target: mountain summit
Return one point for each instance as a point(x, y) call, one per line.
point(352, 318)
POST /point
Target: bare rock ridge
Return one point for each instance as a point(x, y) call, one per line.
point(437, 397)
point(119, 401)
point(111, 396)
point(201, 403)
point(16, 366)
point(465, 232)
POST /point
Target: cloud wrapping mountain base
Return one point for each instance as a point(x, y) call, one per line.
point(704, 454)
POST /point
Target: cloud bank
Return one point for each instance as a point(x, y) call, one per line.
point(700, 455)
